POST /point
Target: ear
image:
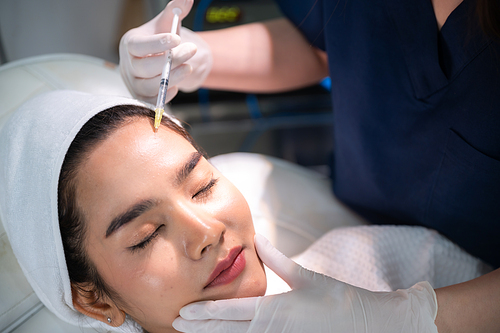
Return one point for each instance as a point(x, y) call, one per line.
point(87, 302)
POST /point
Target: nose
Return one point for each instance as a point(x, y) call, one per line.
point(200, 230)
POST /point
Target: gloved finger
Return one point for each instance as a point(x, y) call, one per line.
point(171, 92)
point(183, 53)
point(152, 66)
point(178, 74)
point(145, 87)
point(226, 309)
point(214, 326)
point(148, 67)
point(149, 87)
point(150, 100)
point(292, 273)
point(143, 45)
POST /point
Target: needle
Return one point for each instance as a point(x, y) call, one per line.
point(165, 75)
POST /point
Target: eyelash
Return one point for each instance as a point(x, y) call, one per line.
point(147, 240)
point(206, 190)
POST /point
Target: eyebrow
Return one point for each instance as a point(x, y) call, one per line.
point(186, 169)
point(134, 212)
point(143, 206)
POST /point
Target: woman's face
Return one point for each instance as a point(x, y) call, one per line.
point(164, 227)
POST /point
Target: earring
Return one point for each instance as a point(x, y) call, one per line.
point(109, 320)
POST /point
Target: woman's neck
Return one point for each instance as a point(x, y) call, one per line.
point(443, 9)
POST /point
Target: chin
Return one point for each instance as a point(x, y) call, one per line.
point(256, 286)
point(258, 289)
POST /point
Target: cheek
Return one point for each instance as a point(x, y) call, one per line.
point(257, 284)
point(150, 281)
point(233, 209)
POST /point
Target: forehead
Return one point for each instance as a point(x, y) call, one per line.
point(129, 162)
point(135, 141)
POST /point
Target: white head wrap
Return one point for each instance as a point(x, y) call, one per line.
point(33, 144)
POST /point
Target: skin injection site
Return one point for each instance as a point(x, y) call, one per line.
point(250, 166)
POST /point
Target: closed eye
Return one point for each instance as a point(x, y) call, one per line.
point(146, 241)
point(206, 189)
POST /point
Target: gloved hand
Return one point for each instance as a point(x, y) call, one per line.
point(316, 303)
point(143, 55)
point(201, 62)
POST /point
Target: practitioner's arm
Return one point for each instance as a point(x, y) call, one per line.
point(259, 57)
point(263, 57)
point(472, 306)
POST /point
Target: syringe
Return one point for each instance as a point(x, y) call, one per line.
point(165, 75)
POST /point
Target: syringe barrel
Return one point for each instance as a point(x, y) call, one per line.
point(162, 94)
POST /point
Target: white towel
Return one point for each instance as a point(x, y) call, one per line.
point(386, 258)
point(33, 144)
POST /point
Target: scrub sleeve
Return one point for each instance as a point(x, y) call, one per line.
point(416, 115)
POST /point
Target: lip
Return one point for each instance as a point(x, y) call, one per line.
point(228, 269)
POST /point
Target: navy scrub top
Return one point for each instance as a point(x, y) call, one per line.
point(416, 115)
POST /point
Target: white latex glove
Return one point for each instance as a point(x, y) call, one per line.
point(317, 303)
point(143, 55)
point(201, 62)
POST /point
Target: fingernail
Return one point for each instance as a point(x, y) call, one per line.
point(177, 324)
point(166, 40)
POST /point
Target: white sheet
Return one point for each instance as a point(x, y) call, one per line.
point(385, 258)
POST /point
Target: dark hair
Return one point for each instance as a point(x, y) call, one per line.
point(82, 271)
point(488, 12)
